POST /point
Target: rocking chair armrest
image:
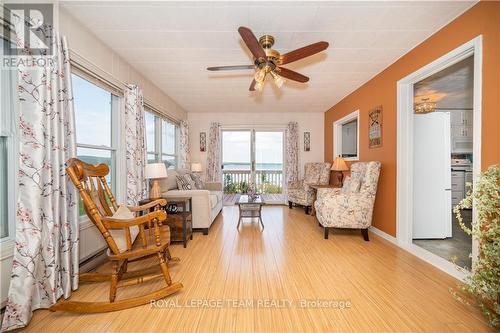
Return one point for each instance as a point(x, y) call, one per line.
point(149, 205)
point(111, 223)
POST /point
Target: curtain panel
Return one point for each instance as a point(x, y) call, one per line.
point(184, 145)
point(291, 152)
point(214, 172)
point(45, 263)
point(135, 144)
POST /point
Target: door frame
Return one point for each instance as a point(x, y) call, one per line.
point(404, 179)
point(252, 130)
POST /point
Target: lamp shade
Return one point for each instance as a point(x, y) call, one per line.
point(156, 170)
point(196, 167)
point(339, 165)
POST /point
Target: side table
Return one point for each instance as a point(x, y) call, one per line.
point(180, 221)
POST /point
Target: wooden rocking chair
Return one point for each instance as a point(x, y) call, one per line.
point(96, 195)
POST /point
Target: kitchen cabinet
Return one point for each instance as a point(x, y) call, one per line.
point(461, 131)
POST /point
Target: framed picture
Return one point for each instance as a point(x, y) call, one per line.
point(203, 141)
point(375, 127)
point(307, 141)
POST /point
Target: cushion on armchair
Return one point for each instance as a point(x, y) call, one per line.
point(123, 213)
point(351, 185)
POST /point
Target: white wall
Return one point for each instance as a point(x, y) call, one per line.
point(88, 48)
point(308, 122)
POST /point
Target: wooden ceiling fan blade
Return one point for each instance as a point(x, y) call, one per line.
point(230, 68)
point(303, 52)
point(252, 85)
point(291, 75)
point(252, 43)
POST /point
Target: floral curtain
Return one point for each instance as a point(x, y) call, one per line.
point(214, 173)
point(45, 263)
point(183, 145)
point(135, 144)
point(291, 152)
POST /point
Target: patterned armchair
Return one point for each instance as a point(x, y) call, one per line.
point(299, 192)
point(352, 206)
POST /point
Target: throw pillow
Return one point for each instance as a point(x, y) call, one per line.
point(200, 185)
point(351, 185)
point(185, 182)
point(123, 213)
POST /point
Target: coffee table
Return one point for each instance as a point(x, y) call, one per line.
point(250, 208)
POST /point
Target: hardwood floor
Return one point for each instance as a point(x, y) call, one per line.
point(388, 289)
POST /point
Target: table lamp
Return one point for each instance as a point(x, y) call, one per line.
point(339, 166)
point(155, 171)
point(196, 167)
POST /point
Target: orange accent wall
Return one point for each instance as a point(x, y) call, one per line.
point(483, 18)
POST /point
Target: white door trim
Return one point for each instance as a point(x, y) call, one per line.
point(404, 180)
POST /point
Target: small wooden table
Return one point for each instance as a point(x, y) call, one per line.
point(180, 222)
point(316, 187)
point(250, 208)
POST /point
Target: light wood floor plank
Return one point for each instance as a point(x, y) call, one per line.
point(389, 289)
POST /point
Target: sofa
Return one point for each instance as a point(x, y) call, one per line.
point(300, 193)
point(206, 203)
point(351, 206)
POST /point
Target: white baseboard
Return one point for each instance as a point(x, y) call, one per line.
point(384, 235)
point(429, 257)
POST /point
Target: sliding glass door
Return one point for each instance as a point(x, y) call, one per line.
point(253, 155)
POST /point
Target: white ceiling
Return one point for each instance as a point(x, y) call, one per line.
point(172, 43)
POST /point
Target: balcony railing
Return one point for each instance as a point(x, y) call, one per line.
point(266, 181)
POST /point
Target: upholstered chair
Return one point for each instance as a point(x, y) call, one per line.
point(300, 192)
point(351, 206)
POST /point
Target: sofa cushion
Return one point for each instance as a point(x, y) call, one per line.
point(213, 200)
point(169, 183)
point(185, 182)
point(123, 213)
point(200, 185)
point(351, 185)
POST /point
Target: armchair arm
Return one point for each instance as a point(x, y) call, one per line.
point(113, 223)
point(148, 206)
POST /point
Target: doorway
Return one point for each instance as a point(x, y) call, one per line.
point(427, 148)
point(253, 156)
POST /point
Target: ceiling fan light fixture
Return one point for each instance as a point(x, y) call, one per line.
point(278, 80)
point(259, 86)
point(260, 75)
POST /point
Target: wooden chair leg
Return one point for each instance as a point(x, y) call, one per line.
point(114, 282)
point(326, 232)
point(164, 269)
point(290, 204)
point(364, 232)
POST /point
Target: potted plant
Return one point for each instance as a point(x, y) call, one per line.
point(484, 281)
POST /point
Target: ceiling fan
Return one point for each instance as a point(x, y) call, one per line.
point(269, 61)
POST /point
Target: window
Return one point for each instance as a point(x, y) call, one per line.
point(8, 147)
point(346, 137)
point(95, 121)
point(4, 218)
point(169, 144)
point(151, 145)
point(161, 139)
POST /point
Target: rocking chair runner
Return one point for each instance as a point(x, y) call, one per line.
point(96, 195)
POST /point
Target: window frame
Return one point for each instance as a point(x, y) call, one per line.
point(158, 153)
point(175, 155)
point(337, 135)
